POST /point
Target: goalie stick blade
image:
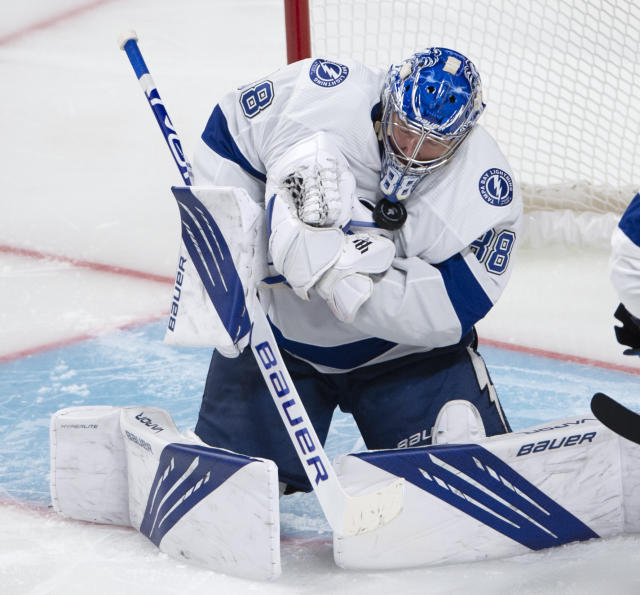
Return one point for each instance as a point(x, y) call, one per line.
point(373, 510)
point(616, 417)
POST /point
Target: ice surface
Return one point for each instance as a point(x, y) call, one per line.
point(86, 176)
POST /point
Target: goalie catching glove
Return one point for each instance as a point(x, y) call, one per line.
point(316, 182)
point(309, 195)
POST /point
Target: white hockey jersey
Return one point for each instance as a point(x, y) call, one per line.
point(454, 253)
point(624, 265)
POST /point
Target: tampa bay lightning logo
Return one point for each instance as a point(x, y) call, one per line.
point(496, 187)
point(327, 74)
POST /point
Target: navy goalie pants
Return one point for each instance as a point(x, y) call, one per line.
point(394, 403)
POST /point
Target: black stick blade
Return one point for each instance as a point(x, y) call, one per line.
point(616, 417)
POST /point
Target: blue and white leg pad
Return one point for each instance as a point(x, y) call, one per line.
point(503, 496)
point(131, 466)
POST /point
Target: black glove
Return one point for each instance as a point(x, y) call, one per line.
point(629, 332)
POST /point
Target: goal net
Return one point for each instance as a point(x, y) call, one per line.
point(561, 80)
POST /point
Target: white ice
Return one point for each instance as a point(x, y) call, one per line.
point(86, 176)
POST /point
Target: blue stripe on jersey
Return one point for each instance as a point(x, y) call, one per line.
point(630, 222)
point(340, 357)
point(218, 138)
point(469, 300)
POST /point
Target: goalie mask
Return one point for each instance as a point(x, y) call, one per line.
point(431, 101)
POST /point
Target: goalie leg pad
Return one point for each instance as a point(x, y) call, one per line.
point(630, 472)
point(504, 496)
point(88, 465)
point(208, 505)
point(130, 466)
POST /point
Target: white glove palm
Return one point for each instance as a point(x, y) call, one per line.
point(347, 285)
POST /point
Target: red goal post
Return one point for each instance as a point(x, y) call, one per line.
point(561, 80)
point(296, 17)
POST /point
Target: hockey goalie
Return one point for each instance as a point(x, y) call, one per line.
point(464, 497)
point(346, 230)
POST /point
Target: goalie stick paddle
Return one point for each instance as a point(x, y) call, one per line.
point(616, 417)
point(346, 514)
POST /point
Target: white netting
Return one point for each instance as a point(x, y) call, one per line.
point(561, 80)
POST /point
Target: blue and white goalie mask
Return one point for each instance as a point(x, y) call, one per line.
point(430, 104)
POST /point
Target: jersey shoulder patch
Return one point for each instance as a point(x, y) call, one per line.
point(496, 187)
point(326, 73)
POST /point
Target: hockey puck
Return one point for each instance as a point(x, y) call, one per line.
point(389, 215)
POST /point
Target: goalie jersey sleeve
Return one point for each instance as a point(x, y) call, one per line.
point(454, 253)
point(624, 265)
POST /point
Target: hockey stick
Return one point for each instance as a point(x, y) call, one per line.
point(616, 417)
point(128, 42)
point(347, 515)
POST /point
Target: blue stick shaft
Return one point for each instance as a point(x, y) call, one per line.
point(157, 107)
